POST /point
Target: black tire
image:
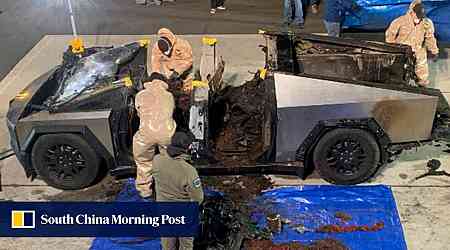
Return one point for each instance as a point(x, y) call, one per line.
point(65, 161)
point(347, 156)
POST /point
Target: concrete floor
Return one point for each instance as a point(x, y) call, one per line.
point(422, 204)
point(24, 22)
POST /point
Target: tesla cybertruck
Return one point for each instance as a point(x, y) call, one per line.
point(342, 107)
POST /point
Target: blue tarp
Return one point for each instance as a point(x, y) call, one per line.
point(127, 194)
point(315, 206)
point(310, 206)
point(441, 20)
point(378, 14)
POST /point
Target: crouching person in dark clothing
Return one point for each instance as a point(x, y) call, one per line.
point(176, 181)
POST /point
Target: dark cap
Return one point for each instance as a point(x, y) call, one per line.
point(180, 144)
point(419, 10)
point(156, 76)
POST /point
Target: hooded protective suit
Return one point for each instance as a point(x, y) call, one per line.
point(420, 37)
point(179, 61)
point(155, 106)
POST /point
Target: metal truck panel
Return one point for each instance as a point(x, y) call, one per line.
point(98, 123)
point(302, 102)
point(340, 58)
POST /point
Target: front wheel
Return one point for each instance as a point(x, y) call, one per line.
point(65, 161)
point(347, 156)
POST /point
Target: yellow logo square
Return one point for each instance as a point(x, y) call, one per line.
point(22, 219)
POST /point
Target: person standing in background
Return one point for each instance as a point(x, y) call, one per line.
point(293, 13)
point(153, 2)
point(217, 5)
point(335, 13)
point(315, 6)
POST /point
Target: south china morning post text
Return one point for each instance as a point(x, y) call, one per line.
point(114, 219)
point(99, 219)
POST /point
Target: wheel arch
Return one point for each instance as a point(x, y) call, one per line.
point(304, 152)
point(83, 131)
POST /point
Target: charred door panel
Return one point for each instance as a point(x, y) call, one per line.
point(241, 123)
point(340, 58)
point(365, 67)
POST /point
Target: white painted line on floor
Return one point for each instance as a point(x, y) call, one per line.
point(72, 19)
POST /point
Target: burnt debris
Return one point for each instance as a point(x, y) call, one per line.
point(237, 120)
point(220, 225)
point(359, 63)
point(225, 221)
point(433, 166)
point(317, 245)
point(350, 228)
point(340, 58)
point(343, 216)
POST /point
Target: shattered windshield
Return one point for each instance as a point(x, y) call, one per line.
point(90, 71)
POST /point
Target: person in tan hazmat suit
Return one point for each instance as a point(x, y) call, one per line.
point(417, 31)
point(172, 57)
point(155, 106)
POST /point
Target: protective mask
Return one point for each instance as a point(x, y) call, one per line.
point(165, 46)
point(420, 12)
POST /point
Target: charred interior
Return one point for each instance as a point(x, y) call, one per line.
point(353, 60)
point(241, 120)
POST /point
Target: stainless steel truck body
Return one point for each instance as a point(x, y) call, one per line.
point(75, 124)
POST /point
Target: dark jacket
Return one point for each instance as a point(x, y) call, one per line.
point(175, 179)
point(335, 10)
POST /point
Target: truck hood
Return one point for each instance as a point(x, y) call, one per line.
point(77, 77)
point(90, 72)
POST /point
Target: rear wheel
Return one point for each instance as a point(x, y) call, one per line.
point(346, 156)
point(65, 161)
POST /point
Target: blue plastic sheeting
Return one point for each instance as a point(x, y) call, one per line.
point(124, 244)
point(314, 206)
point(441, 22)
point(128, 194)
point(311, 206)
point(378, 14)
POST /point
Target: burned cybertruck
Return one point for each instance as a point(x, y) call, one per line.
point(342, 107)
